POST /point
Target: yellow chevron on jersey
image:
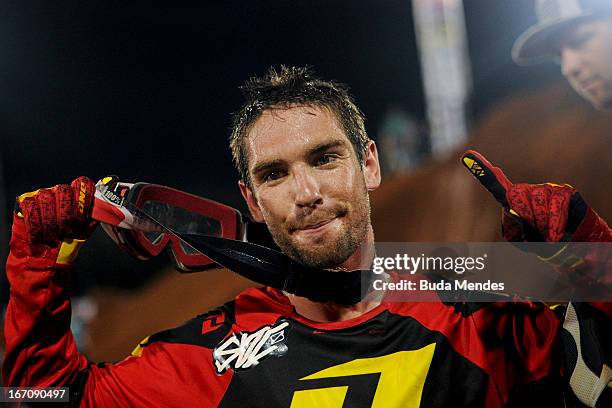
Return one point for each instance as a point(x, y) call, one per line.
point(402, 377)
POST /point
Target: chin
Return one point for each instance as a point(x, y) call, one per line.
point(327, 255)
point(604, 104)
point(600, 98)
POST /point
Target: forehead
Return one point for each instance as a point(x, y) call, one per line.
point(589, 25)
point(287, 131)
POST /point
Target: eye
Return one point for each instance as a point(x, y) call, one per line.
point(272, 175)
point(325, 159)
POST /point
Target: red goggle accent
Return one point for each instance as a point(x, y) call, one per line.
point(202, 215)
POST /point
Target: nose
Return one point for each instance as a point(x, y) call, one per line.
point(306, 188)
point(571, 63)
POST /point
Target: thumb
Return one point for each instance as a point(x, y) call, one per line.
point(491, 177)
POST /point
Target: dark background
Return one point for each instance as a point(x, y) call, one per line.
point(145, 90)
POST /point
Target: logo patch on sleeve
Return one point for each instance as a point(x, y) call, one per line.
point(212, 323)
point(244, 350)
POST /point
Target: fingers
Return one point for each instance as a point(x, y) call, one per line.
point(512, 227)
point(491, 177)
point(64, 203)
point(45, 200)
point(51, 214)
point(577, 211)
point(84, 192)
point(30, 211)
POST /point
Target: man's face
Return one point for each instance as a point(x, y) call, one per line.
point(308, 186)
point(586, 60)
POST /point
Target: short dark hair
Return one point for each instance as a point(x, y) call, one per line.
point(288, 86)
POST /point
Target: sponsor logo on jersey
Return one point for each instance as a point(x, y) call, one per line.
point(247, 349)
point(212, 323)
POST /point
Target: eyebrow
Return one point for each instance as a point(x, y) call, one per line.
point(261, 167)
point(326, 146)
point(322, 147)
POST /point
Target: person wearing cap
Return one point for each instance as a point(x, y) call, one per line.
point(578, 35)
point(306, 167)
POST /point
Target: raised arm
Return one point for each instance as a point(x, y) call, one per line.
point(557, 213)
point(548, 212)
point(49, 226)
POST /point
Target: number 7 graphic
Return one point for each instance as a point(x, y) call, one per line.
point(402, 377)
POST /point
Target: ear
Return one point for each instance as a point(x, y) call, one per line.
point(371, 167)
point(251, 201)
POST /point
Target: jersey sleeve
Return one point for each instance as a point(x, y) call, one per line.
point(40, 349)
point(523, 349)
point(172, 368)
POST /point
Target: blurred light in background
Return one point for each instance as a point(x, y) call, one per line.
point(442, 42)
point(402, 140)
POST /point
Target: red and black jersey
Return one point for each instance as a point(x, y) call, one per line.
point(256, 351)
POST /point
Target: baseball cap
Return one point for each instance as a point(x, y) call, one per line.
point(534, 45)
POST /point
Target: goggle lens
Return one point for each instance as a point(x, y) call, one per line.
point(177, 211)
point(182, 220)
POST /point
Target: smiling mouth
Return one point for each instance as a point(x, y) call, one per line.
point(316, 226)
point(313, 228)
point(589, 85)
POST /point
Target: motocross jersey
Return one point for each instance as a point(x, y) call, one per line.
point(257, 351)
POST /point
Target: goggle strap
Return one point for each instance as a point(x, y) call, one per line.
point(272, 268)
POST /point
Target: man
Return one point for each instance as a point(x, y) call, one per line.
point(306, 166)
point(578, 35)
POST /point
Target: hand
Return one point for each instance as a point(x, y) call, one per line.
point(537, 212)
point(52, 215)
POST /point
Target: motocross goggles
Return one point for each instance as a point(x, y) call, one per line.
point(144, 219)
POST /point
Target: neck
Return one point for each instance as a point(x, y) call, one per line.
point(333, 312)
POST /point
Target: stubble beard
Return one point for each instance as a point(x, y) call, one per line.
point(329, 255)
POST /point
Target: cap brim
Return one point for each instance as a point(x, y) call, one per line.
point(534, 45)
